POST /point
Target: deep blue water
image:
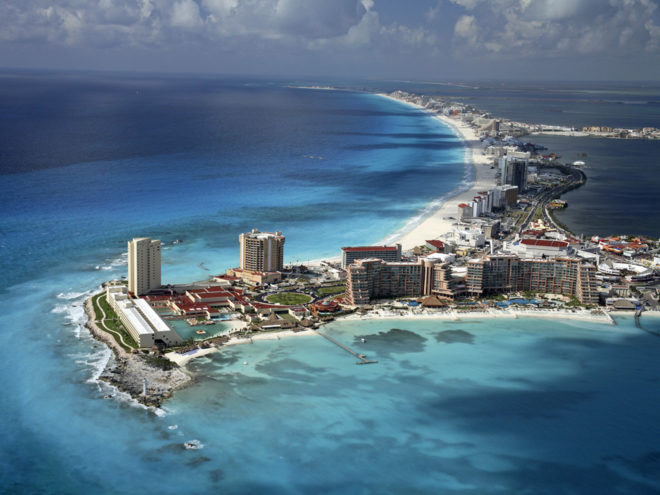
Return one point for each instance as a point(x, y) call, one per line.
point(88, 162)
point(91, 162)
point(623, 181)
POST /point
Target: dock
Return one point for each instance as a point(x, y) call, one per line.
point(362, 358)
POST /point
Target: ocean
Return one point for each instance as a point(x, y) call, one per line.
point(621, 193)
point(90, 161)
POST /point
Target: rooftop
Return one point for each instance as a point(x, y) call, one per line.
point(544, 243)
point(369, 248)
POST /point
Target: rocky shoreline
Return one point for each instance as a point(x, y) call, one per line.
point(128, 371)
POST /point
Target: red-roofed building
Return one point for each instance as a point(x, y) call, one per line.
point(326, 306)
point(385, 253)
point(537, 248)
point(436, 246)
point(464, 211)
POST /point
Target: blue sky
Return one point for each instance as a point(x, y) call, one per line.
point(416, 39)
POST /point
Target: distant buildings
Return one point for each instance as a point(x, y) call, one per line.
point(513, 171)
point(385, 253)
point(262, 251)
point(143, 265)
point(497, 198)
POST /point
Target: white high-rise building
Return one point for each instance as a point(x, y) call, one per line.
point(143, 265)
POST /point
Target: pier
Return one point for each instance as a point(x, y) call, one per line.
point(362, 358)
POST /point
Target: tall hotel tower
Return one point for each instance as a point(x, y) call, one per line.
point(262, 251)
point(143, 265)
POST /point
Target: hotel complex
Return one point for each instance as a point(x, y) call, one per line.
point(140, 320)
point(510, 273)
point(262, 251)
point(385, 253)
point(143, 265)
point(374, 278)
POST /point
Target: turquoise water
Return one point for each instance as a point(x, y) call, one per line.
point(506, 406)
point(188, 332)
point(501, 406)
point(495, 406)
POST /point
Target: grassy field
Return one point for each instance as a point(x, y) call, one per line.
point(329, 291)
point(111, 322)
point(288, 298)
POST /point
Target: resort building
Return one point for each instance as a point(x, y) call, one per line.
point(262, 251)
point(140, 320)
point(385, 253)
point(253, 277)
point(509, 273)
point(143, 265)
point(374, 278)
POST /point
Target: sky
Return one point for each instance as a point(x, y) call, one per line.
point(431, 40)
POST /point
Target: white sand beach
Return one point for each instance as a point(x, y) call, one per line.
point(439, 222)
point(582, 315)
point(268, 336)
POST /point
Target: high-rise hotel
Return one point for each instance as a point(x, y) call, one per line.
point(262, 251)
point(143, 265)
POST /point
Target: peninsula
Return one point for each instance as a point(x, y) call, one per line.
point(493, 250)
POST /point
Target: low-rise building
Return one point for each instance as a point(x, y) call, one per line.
point(140, 320)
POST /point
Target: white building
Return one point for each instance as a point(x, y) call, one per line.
point(140, 320)
point(467, 237)
point(143, 265)
point(537, 248)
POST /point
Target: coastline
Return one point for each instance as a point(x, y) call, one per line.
point(127, 371)
point(431, 225)
point(437, 222)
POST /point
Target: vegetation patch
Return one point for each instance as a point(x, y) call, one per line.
point(288, 298)
point(329, 291)
point(161, 363)
point(111, 322)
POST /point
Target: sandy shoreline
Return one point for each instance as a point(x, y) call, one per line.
point(438, 222)
point(604, 318)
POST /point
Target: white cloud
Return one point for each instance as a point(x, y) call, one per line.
point(467, 29)
point(556, 27)
point(185, 14)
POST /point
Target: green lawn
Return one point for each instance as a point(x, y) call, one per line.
point(288, 298)
point(328, 291)
point(112, 321)
point(287, 316)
